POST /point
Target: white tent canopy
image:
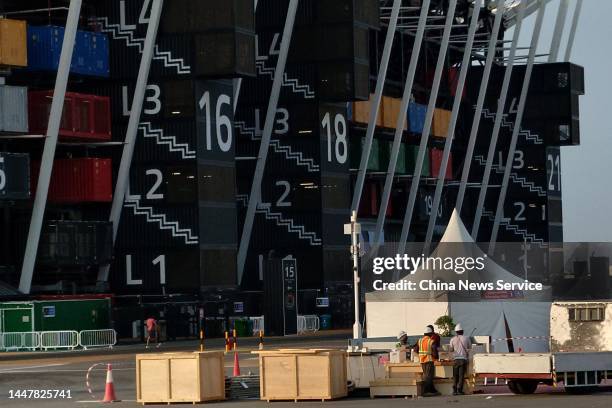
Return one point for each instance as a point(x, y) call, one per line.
point(388, 312)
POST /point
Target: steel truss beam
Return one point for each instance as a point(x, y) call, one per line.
point(407, 222)
point(465, 64)
point(501, 104)
point(48, 155)
point(517, 125)
point(123, 176)
point(255, 196)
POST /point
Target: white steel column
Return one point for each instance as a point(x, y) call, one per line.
point(558, 31)
point(517, 125)
point(123, 176)
point(255, 196)
point(46, 163)
point(448, 144)
point(499, 116)
point(374, 105)
point(479, 104)
point(399, 127)
point(450, 17)
point(572, 35)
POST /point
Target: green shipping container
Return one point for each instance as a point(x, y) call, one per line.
point(16, 317)
point(356, 147)
point(410, 161)
point(92, 314)
point(384, 154)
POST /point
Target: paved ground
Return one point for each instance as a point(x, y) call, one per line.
point(66, 371)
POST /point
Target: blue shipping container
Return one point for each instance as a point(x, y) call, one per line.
point(416, 117)
point(90, 55)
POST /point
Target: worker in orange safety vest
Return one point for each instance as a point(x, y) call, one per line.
point(428, 353)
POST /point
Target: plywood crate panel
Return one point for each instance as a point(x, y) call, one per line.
point(302, 374)
point(408, 369)
point(180, 377)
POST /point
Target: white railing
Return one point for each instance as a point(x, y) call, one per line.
point(258, 324)
point(59, 339)
point(97, 338)
point(19, 341)
point(308, 323)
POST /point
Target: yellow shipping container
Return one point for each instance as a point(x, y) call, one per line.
point(13, 43)
point(361, 112)
point(441, 120)
point(391, 110)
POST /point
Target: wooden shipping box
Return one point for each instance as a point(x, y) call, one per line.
point(13, 43)
point(441, 121)
point(315, 374)
point(180, 377)
point(361, 112)
point(442, 369)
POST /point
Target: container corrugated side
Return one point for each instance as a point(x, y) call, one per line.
point(13, 109)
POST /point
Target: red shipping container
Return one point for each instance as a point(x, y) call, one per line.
point(85, 117)
point(435, 156)
point(453, 81)
point(78, 180)
point(370, 202)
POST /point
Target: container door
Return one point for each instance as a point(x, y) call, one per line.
point(17, 320)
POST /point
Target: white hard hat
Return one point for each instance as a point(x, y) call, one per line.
point(401, 334)
point(428, 330)
point(458, 327)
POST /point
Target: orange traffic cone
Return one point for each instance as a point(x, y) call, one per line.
point(109, 393)
point(236, 365)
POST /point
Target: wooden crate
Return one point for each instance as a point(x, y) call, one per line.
point(180, 377)
point(395, 387)
point(442, 369)
point(314, 374)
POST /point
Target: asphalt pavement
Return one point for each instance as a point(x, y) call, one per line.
point(67, 371)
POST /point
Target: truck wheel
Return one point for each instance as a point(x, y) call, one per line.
point(513, 387)
point(526, 386)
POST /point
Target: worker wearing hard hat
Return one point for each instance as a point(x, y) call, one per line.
point(460, 345)
point(428, 353)
point(402, 339)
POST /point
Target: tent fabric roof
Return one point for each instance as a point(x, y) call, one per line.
point(456, 242)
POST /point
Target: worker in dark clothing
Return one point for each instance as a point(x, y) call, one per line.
point(435, 336)
point(428, 354)
point(460, 346)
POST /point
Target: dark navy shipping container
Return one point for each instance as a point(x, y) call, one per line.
point(90, 55)
point(14, 176)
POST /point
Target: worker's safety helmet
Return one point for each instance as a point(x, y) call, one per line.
point(458, 327)
point(401, 334)
point(429, 330)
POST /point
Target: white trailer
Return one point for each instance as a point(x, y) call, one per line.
point(580, 354)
